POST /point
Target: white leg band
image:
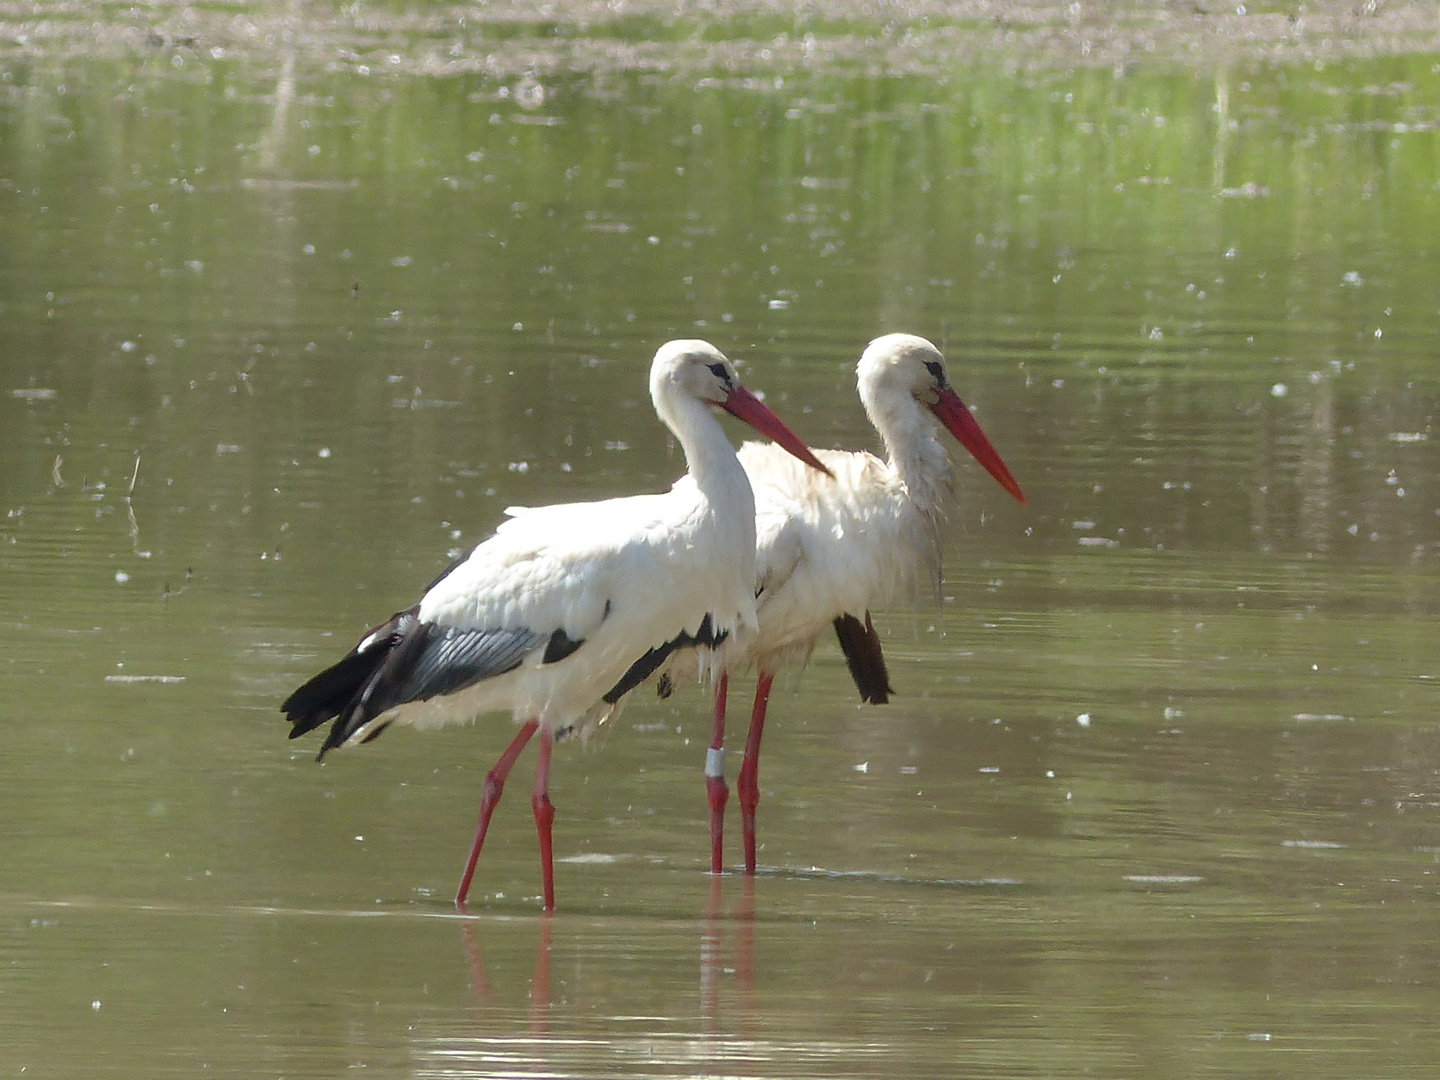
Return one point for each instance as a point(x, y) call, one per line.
point(715, 762)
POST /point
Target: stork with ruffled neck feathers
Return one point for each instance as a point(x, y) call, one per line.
point(832, 547)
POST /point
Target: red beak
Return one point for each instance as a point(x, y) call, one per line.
point(743, 405)
point(955, 416)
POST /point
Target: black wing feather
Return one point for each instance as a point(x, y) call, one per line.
point(403, 660)
point(444, 661)
point(646, 666)
point(562, 645)
point(861, 646)
point(335, 689)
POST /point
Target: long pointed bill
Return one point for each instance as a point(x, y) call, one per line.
point(743, 405)
point(955, 416)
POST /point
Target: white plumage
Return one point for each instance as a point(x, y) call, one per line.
point(830, 548)
point(554, 616)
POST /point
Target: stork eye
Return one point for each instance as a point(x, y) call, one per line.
point(718, 370)
point(936, 371)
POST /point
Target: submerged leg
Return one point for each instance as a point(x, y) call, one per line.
point(545, 816)
point(747, 784)
point(715, 788)
point(489, 796)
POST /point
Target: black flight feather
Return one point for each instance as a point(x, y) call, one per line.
point(861, 646)
point(404, 660)
point(647, 665)
point(560, 646)
point(332, 691)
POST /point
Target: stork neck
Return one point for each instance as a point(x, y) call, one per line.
point(709, 455)
point(917, 455)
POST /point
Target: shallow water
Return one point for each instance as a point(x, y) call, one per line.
point(1157, 795)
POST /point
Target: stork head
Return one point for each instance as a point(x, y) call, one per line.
point(694, 369)
point(897, 369)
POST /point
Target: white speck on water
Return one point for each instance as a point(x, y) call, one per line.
point(324, 452)
point(1351, 277)
point(1314, 845)
point(1279, 390)
point(990, 768)
point(95, 1005)
point(779, 305)
point(1259, 1036)
point(1050, 774)
point(864, 767)
point(121, 577)
point(401, 260)
point(1164, 879)
point(1083, 719)
point(360, 837)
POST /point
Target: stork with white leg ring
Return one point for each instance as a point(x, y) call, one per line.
point(833, 545)
point(566, 607)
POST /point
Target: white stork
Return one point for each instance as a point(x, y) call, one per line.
point(567, 607)
point(833, 545)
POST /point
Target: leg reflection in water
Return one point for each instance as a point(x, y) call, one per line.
point(712, 939)
point(718, 962)
point(539, 981)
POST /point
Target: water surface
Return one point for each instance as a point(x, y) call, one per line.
point(1157, 794)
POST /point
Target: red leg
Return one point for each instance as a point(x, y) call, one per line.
point(747, 784)
point(489, 796)
point(715, 788)
point(545, 816)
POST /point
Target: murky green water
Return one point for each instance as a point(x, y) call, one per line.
point(1158, 793)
